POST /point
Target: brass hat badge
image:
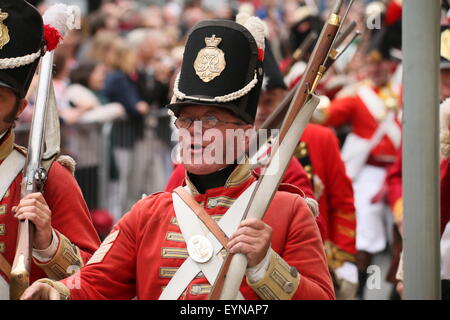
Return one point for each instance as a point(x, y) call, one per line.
point(210, 61)
point(4, 35)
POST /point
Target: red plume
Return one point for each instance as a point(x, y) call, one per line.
point(260, 54)
point(393, 12)
point(51, 37)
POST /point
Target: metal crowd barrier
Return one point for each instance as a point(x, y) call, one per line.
point(97, 174)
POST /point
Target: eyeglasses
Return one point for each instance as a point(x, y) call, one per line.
point(207, 122)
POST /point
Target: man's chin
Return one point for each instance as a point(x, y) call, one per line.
point(203, 169)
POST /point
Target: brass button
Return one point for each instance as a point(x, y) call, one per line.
point(293, 272)
point(288, 287)
point(2, 247)
point(212, 203)
point(2, 229)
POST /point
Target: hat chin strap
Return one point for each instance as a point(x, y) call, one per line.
point(225, 98)
point(11, 63)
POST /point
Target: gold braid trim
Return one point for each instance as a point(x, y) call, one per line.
point(64, 292)
point(7, 146)
point(280, 281)
point(66, 261)
point(336, 257)
point(398, 210)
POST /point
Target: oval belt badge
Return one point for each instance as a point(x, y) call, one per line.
point(200, 248)
point(210, 61)
point(4, 34)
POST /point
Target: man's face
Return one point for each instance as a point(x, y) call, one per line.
point(379, 71)
point(268, 102)
point(445, 84)
point(10, 108)
point(206, 150)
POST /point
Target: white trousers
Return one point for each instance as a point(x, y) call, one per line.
point(445, 253)
point(374, 220)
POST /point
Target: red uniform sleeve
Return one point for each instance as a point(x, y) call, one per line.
point(70, 215)
point(342, 217)
point(445, 193)
point(111, 272)
point(304, 250)
point(177, 178)
point(394, 180)
point(296, 175)
point(341, 111)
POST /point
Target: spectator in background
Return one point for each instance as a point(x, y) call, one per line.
point(98, 23)
point(155, 68)
point(102, 47)
point(121, 86)
point(84, 95)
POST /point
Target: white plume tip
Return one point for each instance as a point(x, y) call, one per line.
point(62, 17)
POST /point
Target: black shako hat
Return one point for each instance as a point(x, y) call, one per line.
point(386, 42)
point(222, 67)
point(273, 78)
point(21, 43)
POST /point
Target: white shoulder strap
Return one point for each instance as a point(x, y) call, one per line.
point(189, 226)
point(377, 109)
point(372, 101)
point(9, 169)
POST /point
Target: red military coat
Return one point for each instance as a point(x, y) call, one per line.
point(395, 189)
point(145, 248)
point(334, 191)
point(295, 175)
point(353, 111)
point(70, 216)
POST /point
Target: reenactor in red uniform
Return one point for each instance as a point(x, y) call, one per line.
point(160, 249)
point(64, 238)
point(319, 154)
point(394, 178)
point(372, 108)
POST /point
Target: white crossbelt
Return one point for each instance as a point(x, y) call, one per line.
point(190, 227)
point(9, 169)
point(377, 109)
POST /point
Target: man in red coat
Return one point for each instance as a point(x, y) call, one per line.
point(395, 188)
point(64, 237)
point(160, 249)
point(372, 109)
point(319, 154)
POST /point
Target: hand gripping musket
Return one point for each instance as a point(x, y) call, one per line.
point(303, 104)
point(43, 145)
